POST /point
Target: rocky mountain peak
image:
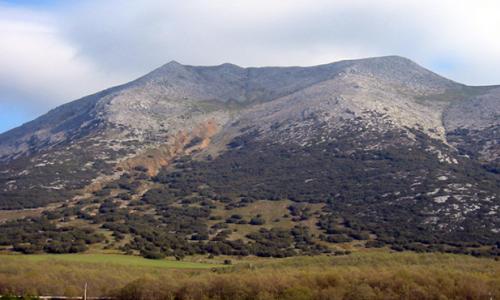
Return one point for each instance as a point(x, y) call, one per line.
point(179, 86)
point(402, 71)
point(168, 70)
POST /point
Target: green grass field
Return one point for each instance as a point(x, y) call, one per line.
point(367, 274)
point(106, 259)
point(66, 274)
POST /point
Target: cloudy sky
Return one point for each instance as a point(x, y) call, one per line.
point(54, 51)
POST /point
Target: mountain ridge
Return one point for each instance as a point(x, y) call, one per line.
point(157, 73)
point(407, 157)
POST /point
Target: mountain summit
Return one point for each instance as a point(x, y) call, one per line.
point(393, 149)
point(224, 83)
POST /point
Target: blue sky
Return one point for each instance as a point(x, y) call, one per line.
point(54, 51)
point(13, 117)
point(31, 2)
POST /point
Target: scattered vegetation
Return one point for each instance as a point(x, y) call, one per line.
point(330, 193)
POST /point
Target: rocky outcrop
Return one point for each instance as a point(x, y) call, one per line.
point(182, 143)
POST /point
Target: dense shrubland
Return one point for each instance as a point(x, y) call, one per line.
point(374, 198)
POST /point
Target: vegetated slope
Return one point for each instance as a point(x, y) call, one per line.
point(379, 151)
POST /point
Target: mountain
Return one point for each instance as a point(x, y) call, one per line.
point(270, 161)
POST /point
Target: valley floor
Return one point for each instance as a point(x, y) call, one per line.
point(374, 274)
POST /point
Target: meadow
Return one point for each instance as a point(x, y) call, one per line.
point(105, 260)
point(360, 275)
point(66, 274)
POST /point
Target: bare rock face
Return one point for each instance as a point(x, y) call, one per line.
point(476, 113)
point(430, 133)
point(473, 126)
point(350, 97)
point(158, 100)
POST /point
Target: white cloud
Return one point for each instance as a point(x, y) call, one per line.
point(137, 36)
point(38, 68)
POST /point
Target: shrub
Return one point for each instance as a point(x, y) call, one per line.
point(257, 220)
